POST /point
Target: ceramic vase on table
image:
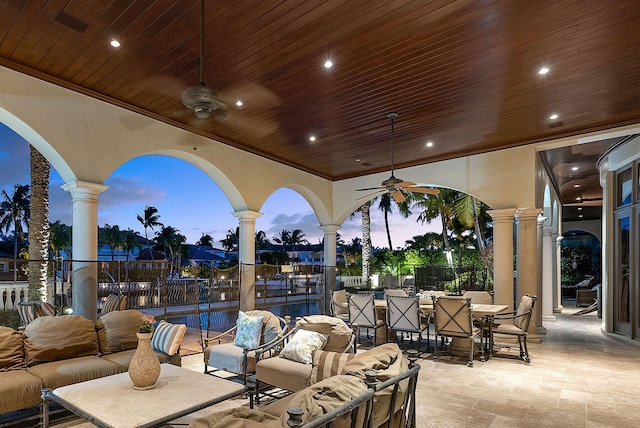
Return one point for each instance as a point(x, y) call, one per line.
point(144, 368)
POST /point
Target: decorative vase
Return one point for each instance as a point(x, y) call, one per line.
point(144, 368)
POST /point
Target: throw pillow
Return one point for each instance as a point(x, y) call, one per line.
point(327, 364)
point(112, 303)
point(167, 337)
point(248, 332)
point(301, 346)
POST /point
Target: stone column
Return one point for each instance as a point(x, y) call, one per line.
point(247, 257)
point(527, 260)
point(540, 260)
point(548, 273)
point(330, 254)
point(557, 296)
point(84, 197)
point(503, 255)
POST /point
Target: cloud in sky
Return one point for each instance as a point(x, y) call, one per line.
point(189, 200)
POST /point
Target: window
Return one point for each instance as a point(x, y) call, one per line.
point(624, 187)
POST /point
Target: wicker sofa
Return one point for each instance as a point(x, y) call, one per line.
point(54, 351)
point(374, 388)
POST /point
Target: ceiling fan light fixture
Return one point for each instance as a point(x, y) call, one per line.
point(202, 99)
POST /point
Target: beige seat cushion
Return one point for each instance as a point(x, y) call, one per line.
point(57, 338)
point(19, 389)
point(73, 370)
point(283, 373)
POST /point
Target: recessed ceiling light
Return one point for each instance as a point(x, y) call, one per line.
point(553, 116)
point(543, 71)
point(357, 159)
point(580, 216)
point(312, 138)
point(429, 144)
point(579, 208)
point(576, 185)
point(328, 64)
point(115, 43)
point(578, 198)
point(239, 103)
point(575, 168)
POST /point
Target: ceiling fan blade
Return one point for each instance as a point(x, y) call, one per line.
point(425, 190)
point(371, 188)
point(404, 184)
point(398, 196)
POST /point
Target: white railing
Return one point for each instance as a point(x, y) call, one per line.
point(12, 294)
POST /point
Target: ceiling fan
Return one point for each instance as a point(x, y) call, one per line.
point(201, 99)
point(395, 186)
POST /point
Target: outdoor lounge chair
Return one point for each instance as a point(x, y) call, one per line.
point(221, 353)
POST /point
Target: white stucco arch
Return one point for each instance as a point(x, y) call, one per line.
point(36, 140)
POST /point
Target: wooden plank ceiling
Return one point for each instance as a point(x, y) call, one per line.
point(462, 74)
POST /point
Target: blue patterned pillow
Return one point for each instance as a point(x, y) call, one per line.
point(249, 331)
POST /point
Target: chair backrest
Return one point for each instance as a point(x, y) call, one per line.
point(338, 302)
point(340, 335)
point(479, 297)
point(403, 313)
point(29, 311)
point(524, 311)
point(453, 316)
point(272, 325)
point(394, 292)
point(362, 310)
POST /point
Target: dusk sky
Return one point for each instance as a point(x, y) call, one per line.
point(188, 200)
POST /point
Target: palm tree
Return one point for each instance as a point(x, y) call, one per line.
point(60, 238)
point(111, 236)
point(171, 239)
point(14, 211)
point(150, 220)
point(297, 238)
point(365, 211)
point(230, 243)
point(130, 241)
point(38, 225)
point(262, 243)
point(205, 240)
point(284, 238)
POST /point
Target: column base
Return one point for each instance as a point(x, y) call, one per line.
point(534, 337)
point(549, 318)
point(558, 310)
point(540, 330)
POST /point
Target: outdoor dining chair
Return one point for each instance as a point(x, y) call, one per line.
point(404, 315)
point(362, 314)
point(339, 304)
point(453, 318)
point(516, 324)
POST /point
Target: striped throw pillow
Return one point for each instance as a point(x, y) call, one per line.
point(326, 364)
point(111, 303)
point(167, 337)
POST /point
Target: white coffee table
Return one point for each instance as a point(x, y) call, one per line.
point(111, 402)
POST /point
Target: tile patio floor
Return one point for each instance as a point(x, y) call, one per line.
point(578, 377)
